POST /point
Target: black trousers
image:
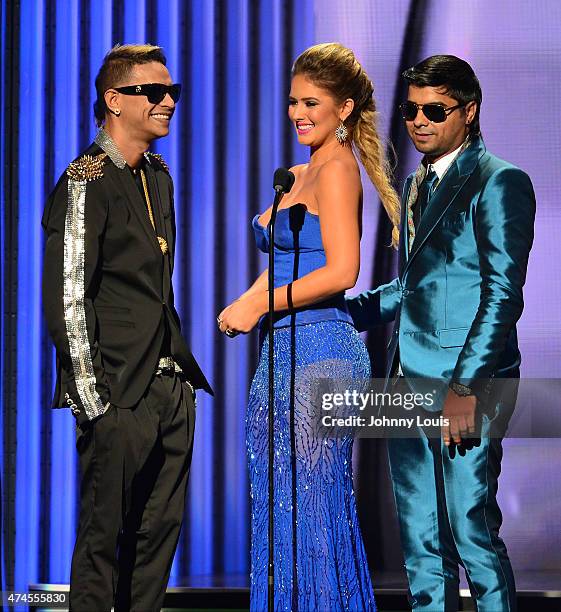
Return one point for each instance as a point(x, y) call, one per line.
point(135, 466)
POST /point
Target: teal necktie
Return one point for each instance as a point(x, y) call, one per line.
point(425, 193)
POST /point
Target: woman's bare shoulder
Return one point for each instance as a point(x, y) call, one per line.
point(339, 169)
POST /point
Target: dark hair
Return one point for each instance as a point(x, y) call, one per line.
point(117, 66)
point(455, 75)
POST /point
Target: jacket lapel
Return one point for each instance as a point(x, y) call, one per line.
point(452, 182)
point(136, 202)
point(122, 178)
point(161, 202)
point(404, 233)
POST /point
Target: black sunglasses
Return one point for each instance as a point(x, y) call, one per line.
point(437, 113)
point(155, 92)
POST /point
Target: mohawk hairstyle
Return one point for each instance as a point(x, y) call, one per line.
point(117, 66)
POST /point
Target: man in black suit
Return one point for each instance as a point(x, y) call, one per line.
point(122, 366)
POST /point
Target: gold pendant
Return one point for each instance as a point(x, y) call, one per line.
point(163, 244)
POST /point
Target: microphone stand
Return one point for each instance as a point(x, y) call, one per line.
point(271, 288)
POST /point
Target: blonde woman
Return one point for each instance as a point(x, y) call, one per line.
point(320, 563)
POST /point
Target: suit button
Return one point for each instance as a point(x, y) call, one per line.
point(406, 292)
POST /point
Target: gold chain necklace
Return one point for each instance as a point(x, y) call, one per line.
point(161, 241)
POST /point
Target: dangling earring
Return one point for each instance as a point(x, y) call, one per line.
point(117, 112)
point(341, 133)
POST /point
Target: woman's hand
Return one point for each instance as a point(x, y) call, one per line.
point(241, 316)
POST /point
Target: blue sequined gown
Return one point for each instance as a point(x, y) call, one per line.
point(320, 562)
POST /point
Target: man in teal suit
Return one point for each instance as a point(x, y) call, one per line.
point(466, 234)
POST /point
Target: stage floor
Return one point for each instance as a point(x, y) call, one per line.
point(536, 590)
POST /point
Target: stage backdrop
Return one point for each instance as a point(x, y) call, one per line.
point(229, 134)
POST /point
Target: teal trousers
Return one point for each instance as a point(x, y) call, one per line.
point(449, 516)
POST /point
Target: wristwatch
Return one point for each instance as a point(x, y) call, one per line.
point(461, 390)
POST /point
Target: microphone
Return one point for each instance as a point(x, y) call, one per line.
point(282, 183)
point(283, 180)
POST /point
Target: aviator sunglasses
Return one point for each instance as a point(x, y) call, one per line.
point(437, 113)
point(155, 92)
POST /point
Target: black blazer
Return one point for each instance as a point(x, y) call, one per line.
point(107, 291)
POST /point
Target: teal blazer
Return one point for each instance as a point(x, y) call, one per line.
point(458, 295)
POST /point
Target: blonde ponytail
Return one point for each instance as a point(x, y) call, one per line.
point(335, 68)
point(372, 154)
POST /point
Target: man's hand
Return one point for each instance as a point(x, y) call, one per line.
point(460, 413)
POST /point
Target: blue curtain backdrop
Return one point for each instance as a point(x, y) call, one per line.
point(229, 134)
